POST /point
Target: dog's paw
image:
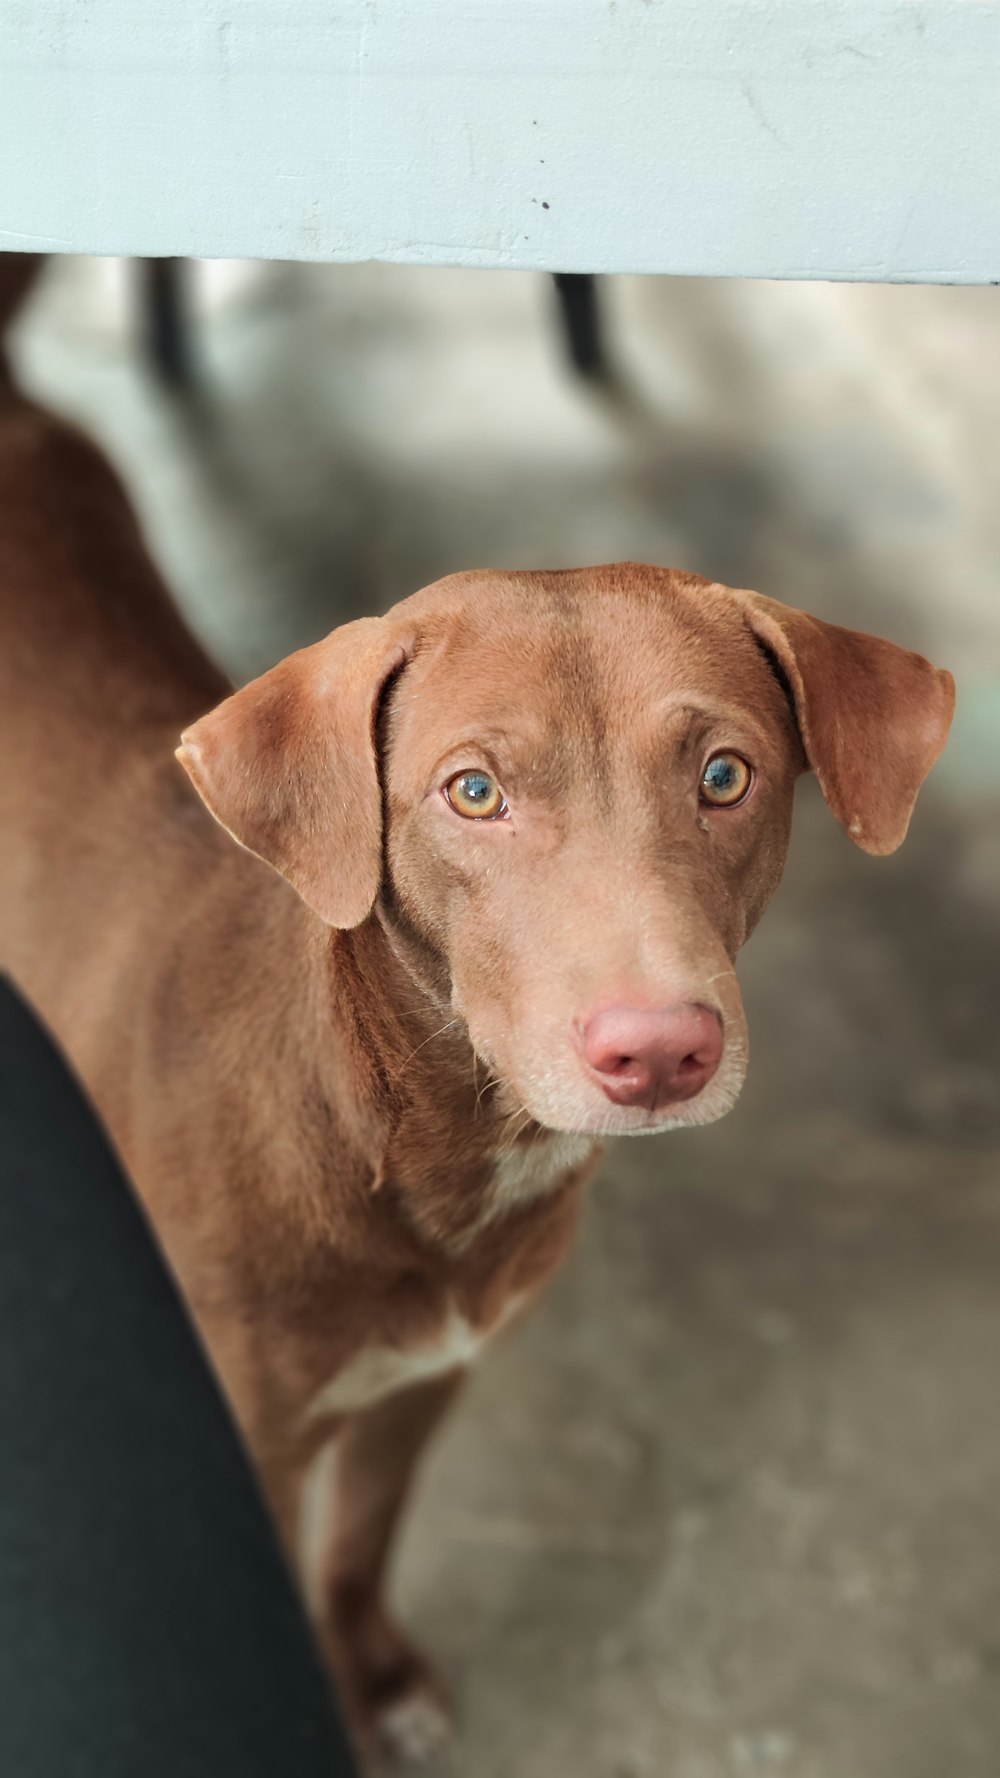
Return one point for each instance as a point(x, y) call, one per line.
point(413, 1728)
point(395, 1703)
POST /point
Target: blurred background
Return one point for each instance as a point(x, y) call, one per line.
point(730, 1504)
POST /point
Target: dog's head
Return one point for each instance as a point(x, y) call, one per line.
point(567, 798)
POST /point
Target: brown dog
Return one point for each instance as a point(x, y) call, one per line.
point(497, 853)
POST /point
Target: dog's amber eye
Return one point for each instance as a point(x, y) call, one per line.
point(476, 795)
point(725, 780)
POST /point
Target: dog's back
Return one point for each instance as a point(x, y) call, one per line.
point(97, 677)
point(87, 628)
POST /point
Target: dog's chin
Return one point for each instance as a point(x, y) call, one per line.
point(621, 1120)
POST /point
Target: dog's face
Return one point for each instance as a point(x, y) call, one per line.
point(588, 797)
point(568, 798)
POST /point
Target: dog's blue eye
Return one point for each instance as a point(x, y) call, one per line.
point(725, 780)
point(476, 795)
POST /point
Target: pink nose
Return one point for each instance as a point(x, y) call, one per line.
point(653, 1058)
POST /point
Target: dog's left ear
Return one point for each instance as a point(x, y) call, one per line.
point(288, 766)
point(873, 717)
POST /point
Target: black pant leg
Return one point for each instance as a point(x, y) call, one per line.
point(148, 1628)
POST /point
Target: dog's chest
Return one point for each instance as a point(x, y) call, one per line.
point(379, 1371)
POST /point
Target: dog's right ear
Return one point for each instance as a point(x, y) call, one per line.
point(288, 766)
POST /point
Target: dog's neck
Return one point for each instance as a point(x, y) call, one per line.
point(410, 1049)
point(437, 1133)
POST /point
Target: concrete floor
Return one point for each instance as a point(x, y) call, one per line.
point(731, 1504)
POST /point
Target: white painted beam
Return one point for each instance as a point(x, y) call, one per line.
point(774, 138)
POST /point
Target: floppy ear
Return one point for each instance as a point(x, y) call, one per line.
point(288, 766)
point(873, 717)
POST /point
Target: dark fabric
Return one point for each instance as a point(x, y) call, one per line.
point(148, 1628)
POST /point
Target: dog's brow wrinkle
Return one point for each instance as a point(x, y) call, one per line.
point(572, 663)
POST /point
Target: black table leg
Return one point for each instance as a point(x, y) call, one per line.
point(577, 293)
point(168, 339)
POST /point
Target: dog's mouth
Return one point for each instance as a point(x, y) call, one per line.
point(628, 1095)
point(597, 1118)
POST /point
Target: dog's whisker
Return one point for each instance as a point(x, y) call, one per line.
point(491, 1080)
point(476, 1085)
point(521, 1118)
point(420, 1046)
point(487, 1085)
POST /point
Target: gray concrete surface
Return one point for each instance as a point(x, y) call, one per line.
point(731, 1503)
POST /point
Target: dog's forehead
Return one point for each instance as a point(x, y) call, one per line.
point(585, 650)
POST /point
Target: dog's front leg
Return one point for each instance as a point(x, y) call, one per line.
point(391, 1694)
